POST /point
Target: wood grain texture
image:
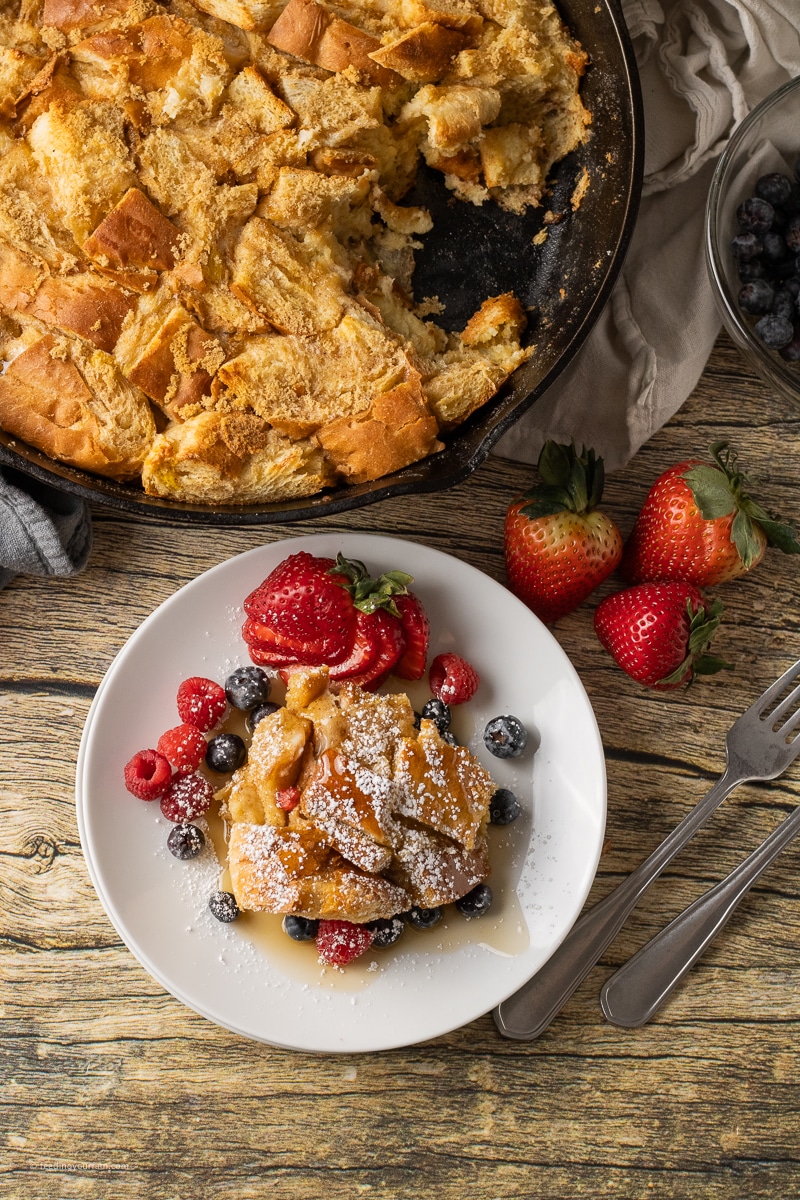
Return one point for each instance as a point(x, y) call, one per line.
point(112, 1089)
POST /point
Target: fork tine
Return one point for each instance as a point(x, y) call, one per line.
point(790, 725)
point(786, 706)
point(773, 692)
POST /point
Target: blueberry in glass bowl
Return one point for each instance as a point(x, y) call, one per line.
point(753, 239)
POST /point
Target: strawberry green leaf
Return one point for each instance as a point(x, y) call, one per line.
point(569, 481)
point(711, 491)
point(703, 624)
point(371, 594)
point(780, 534)
point(744, 538)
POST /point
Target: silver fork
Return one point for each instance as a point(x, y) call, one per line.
point(753, 750)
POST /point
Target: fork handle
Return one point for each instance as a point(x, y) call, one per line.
point(638, 989)
point(528, 1012)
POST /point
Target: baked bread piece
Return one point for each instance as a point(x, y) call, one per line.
point(387, 816)
point(209, 194)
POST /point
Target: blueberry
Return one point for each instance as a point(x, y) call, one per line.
point(754, 269)
point(775, 188)
point(757, 297)
point(792, 234)
point(185, 841)
point(755, 215)
point(475, 903)
point(223, 906)
point(438, 712)
point(300, 929)
point(504, 807)
point(417, 719)
point(746, 246)
point(506, 736)
point(386, 932)
point(258, 713)
point(791, 351)
point(774, 332)
point(775, 248)
point(225, 753)
point(783, 304)
point(449, 737)
point(247, 687)
point(423, 918)
point(792, 286)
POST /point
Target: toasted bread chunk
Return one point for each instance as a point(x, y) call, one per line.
point(455, 113)
point(170, 357)
point(297, 871)
point(275, 276)
point(443, 786)
point(311, 32)
point(85, 304)
point(398, 429)
point(87, 417)
point(134, 234)
point(21, 276)
point(303, 199)
point(17, 71)
point(299, 384)
point(434, 870)
point(67, 15)
point(424, 54)
point(273, 763)
point(246, 14)
point(232, 458)
point(265, 111)
point(82, 152)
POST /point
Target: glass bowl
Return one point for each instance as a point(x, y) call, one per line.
point(767, 140)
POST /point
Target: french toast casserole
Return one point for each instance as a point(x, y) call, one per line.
point(205, 264)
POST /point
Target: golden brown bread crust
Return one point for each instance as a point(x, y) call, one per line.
point(48, 402)
point(211, 192)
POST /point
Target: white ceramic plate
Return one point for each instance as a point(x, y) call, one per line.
point(265, 986)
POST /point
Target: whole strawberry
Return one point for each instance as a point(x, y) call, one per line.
point(658, 633)
point(699, 524)
point(558, 547)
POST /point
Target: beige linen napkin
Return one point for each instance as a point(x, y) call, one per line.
point(703, 65)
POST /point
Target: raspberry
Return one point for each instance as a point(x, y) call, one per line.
point(288, 798)
point(339, 942)
point(452, 679)
point(184, 746)
point(201, 703)
point(187, 797)
point(147, 774)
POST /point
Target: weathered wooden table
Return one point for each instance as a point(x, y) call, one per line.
point(110, 1088)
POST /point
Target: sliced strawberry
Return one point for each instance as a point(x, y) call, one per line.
point(274, 650)
point(366, 648)
point(264, 657)
point(417, 630)
point(303, 603)
point(391, 646)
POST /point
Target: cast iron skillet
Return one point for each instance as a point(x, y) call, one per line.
point(470, 254)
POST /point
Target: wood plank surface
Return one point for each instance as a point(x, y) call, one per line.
point(110, 1088)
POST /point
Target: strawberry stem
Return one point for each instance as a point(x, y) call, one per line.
point(720, 490)
point(371, 594)
point(569, 481)
point(703, 624)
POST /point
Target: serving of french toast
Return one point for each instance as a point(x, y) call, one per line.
point(205, 264)
point(386, 815)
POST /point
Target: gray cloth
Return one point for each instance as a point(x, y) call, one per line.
point(43, 530)
point(704, 64)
